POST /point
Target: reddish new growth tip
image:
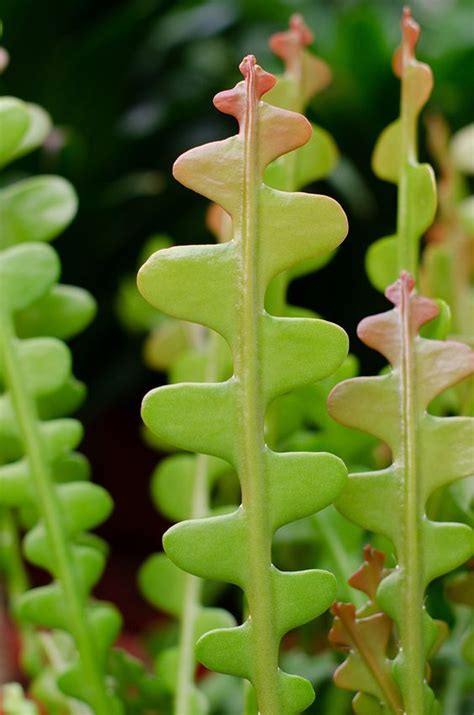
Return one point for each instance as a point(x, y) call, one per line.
point(368, 577)
point(403, 287)
point(297, 37)
point(253, 73)
point(405, 54)
point(403, 295)
point(256, 81)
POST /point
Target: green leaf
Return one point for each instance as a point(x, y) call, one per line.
point(35, 209)
point(14, 120)
point(63, 312)
point(26, 274)
point(38, 129)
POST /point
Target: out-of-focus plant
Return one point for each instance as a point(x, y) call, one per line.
point(14, 702)
point(448, 259)
point(448, 267)
point(40, 472)
point(395, 159)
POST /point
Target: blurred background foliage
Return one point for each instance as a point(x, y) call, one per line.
point(129, 85)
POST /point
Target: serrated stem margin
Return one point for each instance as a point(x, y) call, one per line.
point(50, 510)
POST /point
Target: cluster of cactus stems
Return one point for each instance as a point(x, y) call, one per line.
point(249, 377)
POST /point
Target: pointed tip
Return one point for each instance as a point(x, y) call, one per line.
point(367, 578)
point(403, 286)
point(232, 101)
point(341, 608)
point(291, 42)
point(405, 54)
point(264, 81)
point(248, 65)
point(301, 29)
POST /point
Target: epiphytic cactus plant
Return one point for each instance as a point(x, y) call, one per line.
point(223, 287)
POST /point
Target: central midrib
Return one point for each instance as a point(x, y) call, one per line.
point(251, 414)
point(410, 561)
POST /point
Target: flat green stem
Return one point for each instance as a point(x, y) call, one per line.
point(50, 510)
point(410, 556)
point(408, 259)
point(251, 442)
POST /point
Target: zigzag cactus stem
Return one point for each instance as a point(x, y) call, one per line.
point(290, 46)
point(395, 159)
point(223, 287)
point(428, 453)
point(308, 73)
point(406, 67)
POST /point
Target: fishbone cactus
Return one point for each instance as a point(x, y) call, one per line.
point(429, 452)
point(223, 287)
point(395, 159)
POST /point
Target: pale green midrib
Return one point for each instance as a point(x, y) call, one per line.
point(50, 511)
point(409, 553)
point(407, 248)
point(250, 431)
point(193, 584)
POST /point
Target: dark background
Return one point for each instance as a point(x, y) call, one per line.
point(129, 85)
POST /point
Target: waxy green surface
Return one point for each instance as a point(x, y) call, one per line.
point(181, 489)
point(223, 287)
point(429, 452)
point(395, 159)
